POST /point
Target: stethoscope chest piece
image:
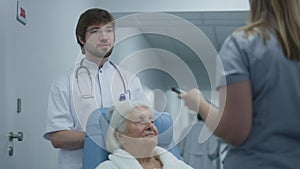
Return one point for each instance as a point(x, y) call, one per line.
point(122, 97)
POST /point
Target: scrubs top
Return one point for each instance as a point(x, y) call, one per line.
point(274, 140)
point(67, 110)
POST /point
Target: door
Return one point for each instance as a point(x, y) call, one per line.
point(31, 57)
point(6, 120)
point(6, 92)
point(19, 78)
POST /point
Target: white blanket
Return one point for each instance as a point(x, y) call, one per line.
point(120, 159)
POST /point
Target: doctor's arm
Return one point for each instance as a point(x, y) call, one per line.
point(60, 120)
point(67, 139)
point(234, 116)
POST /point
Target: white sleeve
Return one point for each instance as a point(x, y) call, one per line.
point(59, 114)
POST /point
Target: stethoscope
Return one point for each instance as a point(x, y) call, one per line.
point(90, 95)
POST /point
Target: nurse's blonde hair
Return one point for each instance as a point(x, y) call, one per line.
point(281, 17)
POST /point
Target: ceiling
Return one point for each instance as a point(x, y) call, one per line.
point(216, 26)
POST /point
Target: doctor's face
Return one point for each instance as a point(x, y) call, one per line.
point(99, 40)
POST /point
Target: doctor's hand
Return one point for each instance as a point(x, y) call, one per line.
point(192, 99)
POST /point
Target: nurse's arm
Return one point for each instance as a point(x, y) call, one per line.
point(236, 120)
point(67, 139)
point(233, 120)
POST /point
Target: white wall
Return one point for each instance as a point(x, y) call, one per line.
point(173, 5)
point(32, 57)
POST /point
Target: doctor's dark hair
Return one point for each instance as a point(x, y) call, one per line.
point(91, 17)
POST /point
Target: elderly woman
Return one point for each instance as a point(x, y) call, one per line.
point(132, 138)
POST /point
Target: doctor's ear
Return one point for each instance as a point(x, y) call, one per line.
point(82, 44)
point(81, 41)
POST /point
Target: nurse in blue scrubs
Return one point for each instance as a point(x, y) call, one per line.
point(259, 109)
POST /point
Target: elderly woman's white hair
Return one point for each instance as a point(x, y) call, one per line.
point(117, 121)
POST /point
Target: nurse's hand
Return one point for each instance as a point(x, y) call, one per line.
point(192, 99)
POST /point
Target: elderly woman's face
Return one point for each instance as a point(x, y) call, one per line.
point(140, 135)
point(139, 124)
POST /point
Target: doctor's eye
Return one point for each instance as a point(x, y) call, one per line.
point(108, 30)
point(93, 31)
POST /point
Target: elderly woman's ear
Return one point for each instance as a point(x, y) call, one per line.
point(119, 137)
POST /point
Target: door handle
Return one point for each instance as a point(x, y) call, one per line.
point(18, 136)
point(11, 137)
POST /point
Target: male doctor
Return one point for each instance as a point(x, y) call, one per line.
point(93, 82)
